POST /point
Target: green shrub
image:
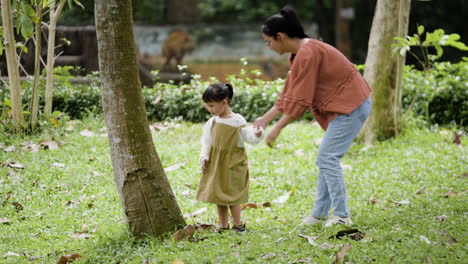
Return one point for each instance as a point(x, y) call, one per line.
point(439, 94)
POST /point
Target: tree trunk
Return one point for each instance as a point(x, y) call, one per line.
point(147, 198)
point(384, 69)
point(55, 11)
point(12, 66)
point(34, 108)
point(181, 11)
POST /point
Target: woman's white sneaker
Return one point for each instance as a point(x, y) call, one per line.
point(336, 220)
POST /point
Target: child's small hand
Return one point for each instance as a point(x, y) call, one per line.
point(258, 131)
point(203, 165)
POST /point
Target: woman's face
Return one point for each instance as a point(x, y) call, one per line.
point(274, 44)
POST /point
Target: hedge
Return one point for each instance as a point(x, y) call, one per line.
point(439, 95)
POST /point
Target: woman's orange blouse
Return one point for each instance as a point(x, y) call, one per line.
point(323, 80)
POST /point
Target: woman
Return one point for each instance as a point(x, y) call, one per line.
point(323, 80)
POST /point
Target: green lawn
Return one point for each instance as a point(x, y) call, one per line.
point(407, 195)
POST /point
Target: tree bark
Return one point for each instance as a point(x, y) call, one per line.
point(37, 68)
point(12, 66)
point(147, 198)
point(383, 69)
point(54, 12)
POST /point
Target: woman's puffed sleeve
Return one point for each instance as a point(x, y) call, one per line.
point(300, 86)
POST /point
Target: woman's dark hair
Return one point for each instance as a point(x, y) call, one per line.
point(285, 21)
point(217, 92)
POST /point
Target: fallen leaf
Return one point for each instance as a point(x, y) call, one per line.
point(60, 165)
point(282, 199)
point(269, 255)
point(11, 254)
point(176, 166)
point(188, 185)
point(340, 255)
point(452, 193)
point(442, 218)
point(158, 127)
point(374, 201)
point(301, 261)
point(185, 233)
point(352, 233)
point(309, 239)
point(198, 212)
point(299, 152)
point(10, 149)
point(87, 133)
point(402, 202)
point(267, 204)
point(50, 144)
point(68, 258)
point(425, 239)
point(325, 246)
point(80, 235)
point(249, 205)
point(18, 206)
point(15, 165)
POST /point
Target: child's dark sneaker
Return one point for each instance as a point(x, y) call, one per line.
point(239, 228)
point(223, 229)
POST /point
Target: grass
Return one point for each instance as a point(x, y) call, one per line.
point(64, 201)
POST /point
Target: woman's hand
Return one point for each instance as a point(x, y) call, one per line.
point(260, 123)
point(274, 133)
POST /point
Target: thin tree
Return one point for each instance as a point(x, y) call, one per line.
point(54, 13)
point(384, 69)
point(12, 65)
point(34, 107)
point(147, 198)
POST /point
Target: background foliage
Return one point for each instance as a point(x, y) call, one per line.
point(439, 96)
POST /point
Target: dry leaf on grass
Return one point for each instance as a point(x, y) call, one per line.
point(352, 233)
point(310, 239)
point(49, 144)
point(80, 235)
point(68, 258)
point(340, 255)
point(87, 133)
point(188, 231)
point(15, 165)
point(11, 254)
point(176, 261)
point(176, 166)
point(452, 193)
point(425, 239)
point(282, 199)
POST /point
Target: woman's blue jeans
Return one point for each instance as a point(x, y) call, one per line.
point(331, 190)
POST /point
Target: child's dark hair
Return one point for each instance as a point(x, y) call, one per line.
point(217, 92)
point(285, 21)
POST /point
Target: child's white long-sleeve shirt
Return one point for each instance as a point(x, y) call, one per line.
point(247, 134)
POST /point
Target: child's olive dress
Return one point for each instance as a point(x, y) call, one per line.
point(226, 178)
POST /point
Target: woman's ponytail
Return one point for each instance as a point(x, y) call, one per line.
point(287, 22)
